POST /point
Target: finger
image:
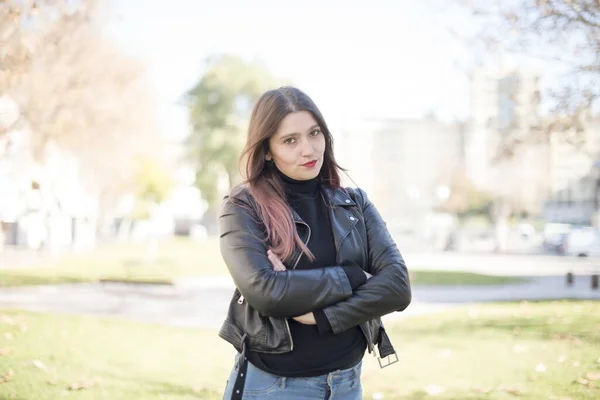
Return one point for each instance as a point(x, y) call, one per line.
point(280, 265)
point(275, 260)
point(277, 264)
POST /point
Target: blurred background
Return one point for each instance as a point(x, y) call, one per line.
point(473, 126)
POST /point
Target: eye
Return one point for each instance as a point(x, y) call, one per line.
point(315, 132)
point(290, 140)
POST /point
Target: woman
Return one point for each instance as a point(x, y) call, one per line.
point(313, 263)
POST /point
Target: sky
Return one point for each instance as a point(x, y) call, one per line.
point(356, 59)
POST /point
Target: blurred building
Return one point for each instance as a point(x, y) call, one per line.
point(42, 205)
point(402, 165)
point(558, 177)
point(574, 172)
point(502, 103)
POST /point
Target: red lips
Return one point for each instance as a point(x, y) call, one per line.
point(310, 164)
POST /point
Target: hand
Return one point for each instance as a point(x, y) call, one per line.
point(307, 319)
point(277, 264)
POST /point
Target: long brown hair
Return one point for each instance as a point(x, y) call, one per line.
point(264, 183)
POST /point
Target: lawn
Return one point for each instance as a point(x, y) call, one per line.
point(176, 258)
point(545, 350)
point(127, 262)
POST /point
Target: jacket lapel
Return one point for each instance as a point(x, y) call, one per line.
point(341, 214)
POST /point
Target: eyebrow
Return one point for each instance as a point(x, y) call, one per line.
point(296, 133)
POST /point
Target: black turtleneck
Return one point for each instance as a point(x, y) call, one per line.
point(317, 350)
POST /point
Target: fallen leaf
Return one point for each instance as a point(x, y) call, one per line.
point(40, 365)
point(6, 377)
point(541, 367)
point(9, 336)
point(53, 382)
point(512, 390)
point(576, 363)
point(593, 376)
point(82, 385)
point(562, 359)
point(4, 351)
point(585, 382)
point(5, 319)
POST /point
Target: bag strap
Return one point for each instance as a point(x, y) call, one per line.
point(237, 392)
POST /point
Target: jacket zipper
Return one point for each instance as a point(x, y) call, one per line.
point(287, 324)
point(339, 246)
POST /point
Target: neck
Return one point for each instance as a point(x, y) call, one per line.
point(296, 187)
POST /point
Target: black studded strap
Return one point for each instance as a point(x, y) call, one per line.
point(240, 381)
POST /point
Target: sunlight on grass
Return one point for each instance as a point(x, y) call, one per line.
point(545, 350)
point(131, 262)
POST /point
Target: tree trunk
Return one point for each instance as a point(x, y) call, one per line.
point(500, 214)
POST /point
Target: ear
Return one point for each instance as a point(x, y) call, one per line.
point(268, 157)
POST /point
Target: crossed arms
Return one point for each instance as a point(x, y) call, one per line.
point(293, 293)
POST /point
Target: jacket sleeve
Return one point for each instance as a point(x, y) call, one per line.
point(389, 288)
point(274, 294)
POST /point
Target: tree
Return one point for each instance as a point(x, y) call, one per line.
point(465, 198)
point(78, 91)
point(153, 183)
point(563, 33)
point(219, 107)
point(564, 37)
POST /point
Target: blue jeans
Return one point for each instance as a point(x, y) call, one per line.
point(337, 385)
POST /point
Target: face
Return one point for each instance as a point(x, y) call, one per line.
point(298, 146)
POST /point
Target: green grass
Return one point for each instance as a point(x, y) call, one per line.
point(421, 277)
point(477, 352)
point(175, 258)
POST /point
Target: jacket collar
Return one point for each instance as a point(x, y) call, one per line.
point(335, 197)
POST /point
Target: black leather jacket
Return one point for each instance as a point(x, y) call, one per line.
point(264, 299)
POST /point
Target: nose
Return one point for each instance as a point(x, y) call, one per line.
point(307, 148)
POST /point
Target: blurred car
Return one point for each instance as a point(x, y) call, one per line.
point(554, 237)
point(582, 242)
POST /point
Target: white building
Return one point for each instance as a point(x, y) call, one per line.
point(574, 172)
point(401, 164)
point(502, 103)
point(42, 205)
